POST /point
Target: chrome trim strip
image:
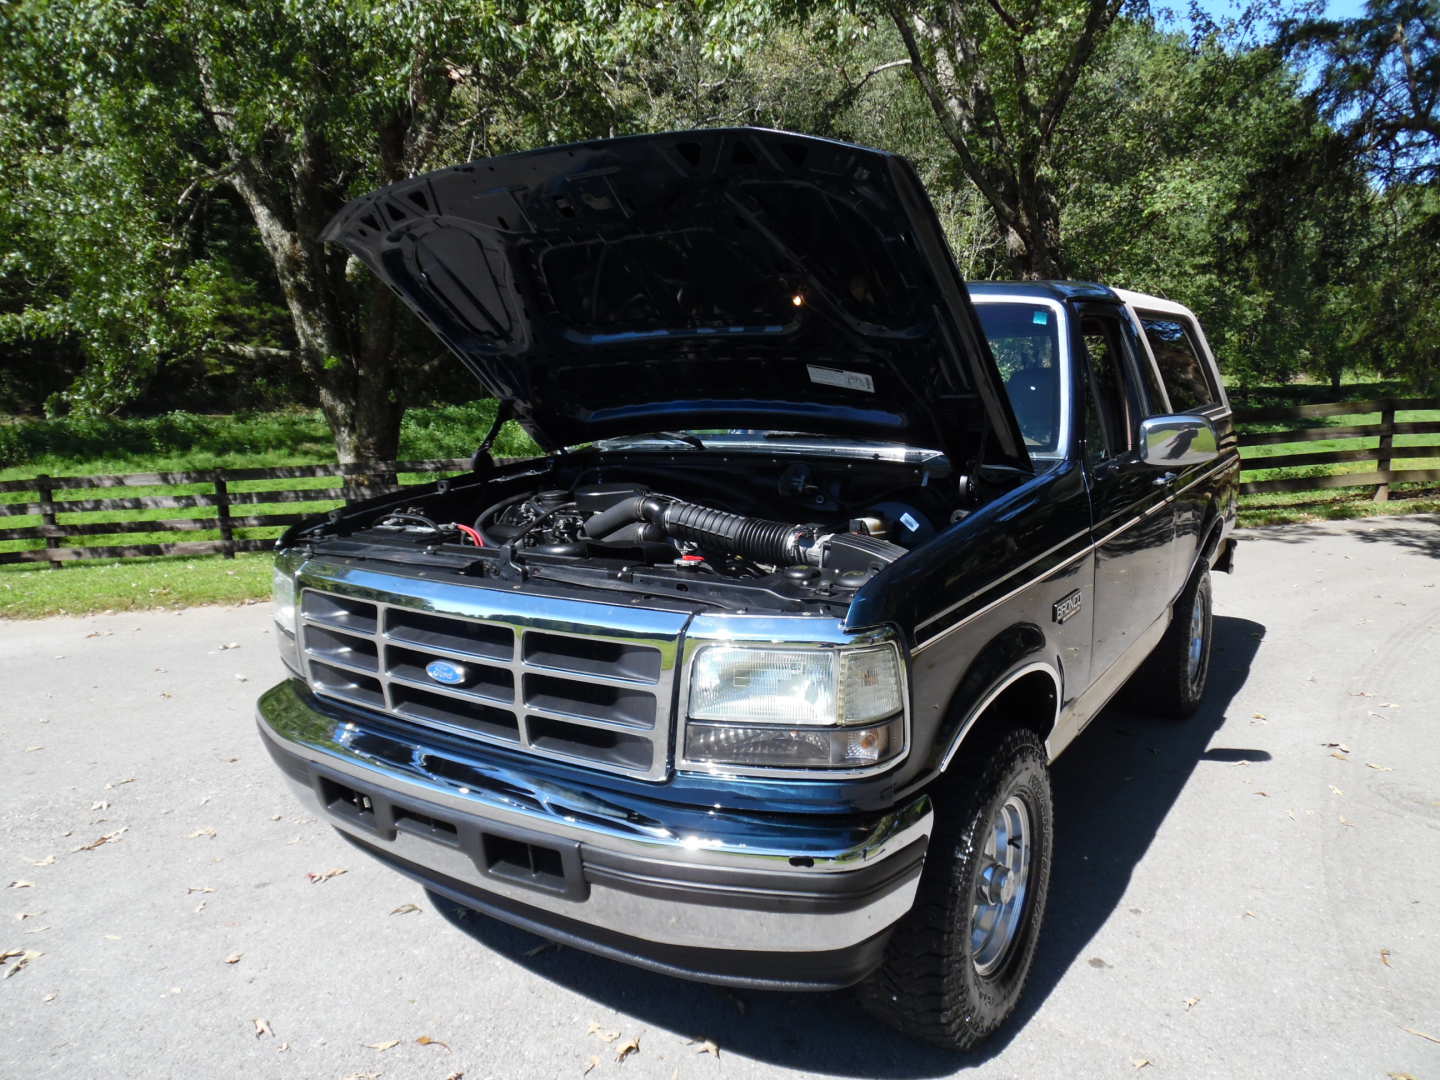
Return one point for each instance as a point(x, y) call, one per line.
point(939, 635)
point(1082, 534)
point(979, 710)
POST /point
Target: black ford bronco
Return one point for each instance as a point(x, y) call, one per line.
point(756, 676)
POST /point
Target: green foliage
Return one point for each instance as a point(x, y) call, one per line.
point(180, 440)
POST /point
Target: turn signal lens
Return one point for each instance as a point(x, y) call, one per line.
point(792, 748)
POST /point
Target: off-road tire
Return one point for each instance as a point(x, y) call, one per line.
point(1166, 685)
point(929, 986)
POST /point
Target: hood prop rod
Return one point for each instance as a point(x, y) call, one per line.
point(482, 457)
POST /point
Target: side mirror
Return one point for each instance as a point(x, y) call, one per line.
point(1177, 441)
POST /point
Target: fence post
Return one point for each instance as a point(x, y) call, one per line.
point(45, 488)
point(222, 513)
point(1387, 445)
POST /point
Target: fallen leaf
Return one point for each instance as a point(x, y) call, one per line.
point(426, 1040)
point(1378, 768)
point(1249, 915)
point(108, 838)
point(205, 831)
point(1097, 962)
point(21, 885)
point(1191, 1002)
point(1337, 746)
point(1348, 824)
point(100, 804)
point(46, 861)
point(740, 1004)
point(1400, 1076)
point(706, 1046)
point(543, 947)
point(600, 1033)
point(25, 955)
point(32, 749)
point(1338, 755)
point(1263, 794)
point(6, 954)
point(229, 645)
point(1139, 1063)
point(234, 958)
point(199, 907)
point(631, 1046)
point(404, 909)
point(383, 1046)
point(262, 1027)
point(1385, 957)
point(333, 872)
point(50, 997)
point(117, 783)
point(241, 678)
point(198, 888)
point(1235, 765)
point(1335, 790)
point(593, 1063)
point(457, 1075)
point(1257, 716)
point(361, 1076)
point(1422, 1034)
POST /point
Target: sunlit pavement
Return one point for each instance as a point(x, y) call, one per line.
point(1253, 893)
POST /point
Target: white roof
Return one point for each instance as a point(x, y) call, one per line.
point(1153, 303)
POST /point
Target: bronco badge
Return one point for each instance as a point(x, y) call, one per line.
point(446, 672)
point(1066, 606)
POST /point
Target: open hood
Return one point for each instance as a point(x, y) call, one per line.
point(733, 278)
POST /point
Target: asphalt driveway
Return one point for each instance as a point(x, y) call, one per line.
point(1253, 894)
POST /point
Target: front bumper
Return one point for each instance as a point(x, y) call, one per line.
point(781, 901)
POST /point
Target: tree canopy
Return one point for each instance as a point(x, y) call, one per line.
point(166, 168)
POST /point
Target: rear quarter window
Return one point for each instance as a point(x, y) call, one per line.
point(1184, 371)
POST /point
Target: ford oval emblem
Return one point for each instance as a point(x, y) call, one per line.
point(447, 672)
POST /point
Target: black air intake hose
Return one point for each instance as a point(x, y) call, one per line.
point(754, 538)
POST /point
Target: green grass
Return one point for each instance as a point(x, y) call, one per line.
point(32, 591)
point(1281, 507)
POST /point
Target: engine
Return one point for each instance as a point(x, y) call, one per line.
point(653, 528)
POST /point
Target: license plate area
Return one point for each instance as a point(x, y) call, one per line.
point(517, 856)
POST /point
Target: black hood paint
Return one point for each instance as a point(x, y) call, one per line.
point(732, 278)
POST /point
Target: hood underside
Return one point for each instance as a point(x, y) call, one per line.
point(719, 279)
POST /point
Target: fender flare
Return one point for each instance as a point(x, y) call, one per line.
point(977, 710)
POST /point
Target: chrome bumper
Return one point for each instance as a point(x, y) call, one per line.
point(712, 879)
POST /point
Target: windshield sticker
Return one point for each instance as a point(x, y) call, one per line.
point(1040, 318)
point(849, 380)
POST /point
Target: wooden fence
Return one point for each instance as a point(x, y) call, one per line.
point(217, 505)
point(54, 495)
point(1384, 453)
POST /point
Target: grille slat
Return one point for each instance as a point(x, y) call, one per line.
point(589, 683)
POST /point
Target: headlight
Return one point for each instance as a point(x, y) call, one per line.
point(282, 595)
point(795, 708)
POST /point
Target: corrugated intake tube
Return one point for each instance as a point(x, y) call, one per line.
point(753, 538)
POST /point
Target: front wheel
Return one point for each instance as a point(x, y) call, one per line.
point(957, 963)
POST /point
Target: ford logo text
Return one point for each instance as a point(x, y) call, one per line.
point(444, 671)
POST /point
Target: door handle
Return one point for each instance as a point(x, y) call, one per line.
point(1165, 479)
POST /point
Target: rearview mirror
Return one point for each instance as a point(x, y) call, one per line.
point(1177, 441)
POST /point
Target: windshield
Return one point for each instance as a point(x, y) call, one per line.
point(1025, 338)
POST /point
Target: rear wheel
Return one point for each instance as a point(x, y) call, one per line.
point(1172, 681)
point(956, 965)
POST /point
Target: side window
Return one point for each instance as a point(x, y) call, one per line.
point(1108, 421)
point(1186, 377)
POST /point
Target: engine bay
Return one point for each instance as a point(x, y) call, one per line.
point(735, 531)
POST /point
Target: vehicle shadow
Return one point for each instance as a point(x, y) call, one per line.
point(1419, 533)
point(1113, 790)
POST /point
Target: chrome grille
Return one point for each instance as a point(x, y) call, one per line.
point(567, 679)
